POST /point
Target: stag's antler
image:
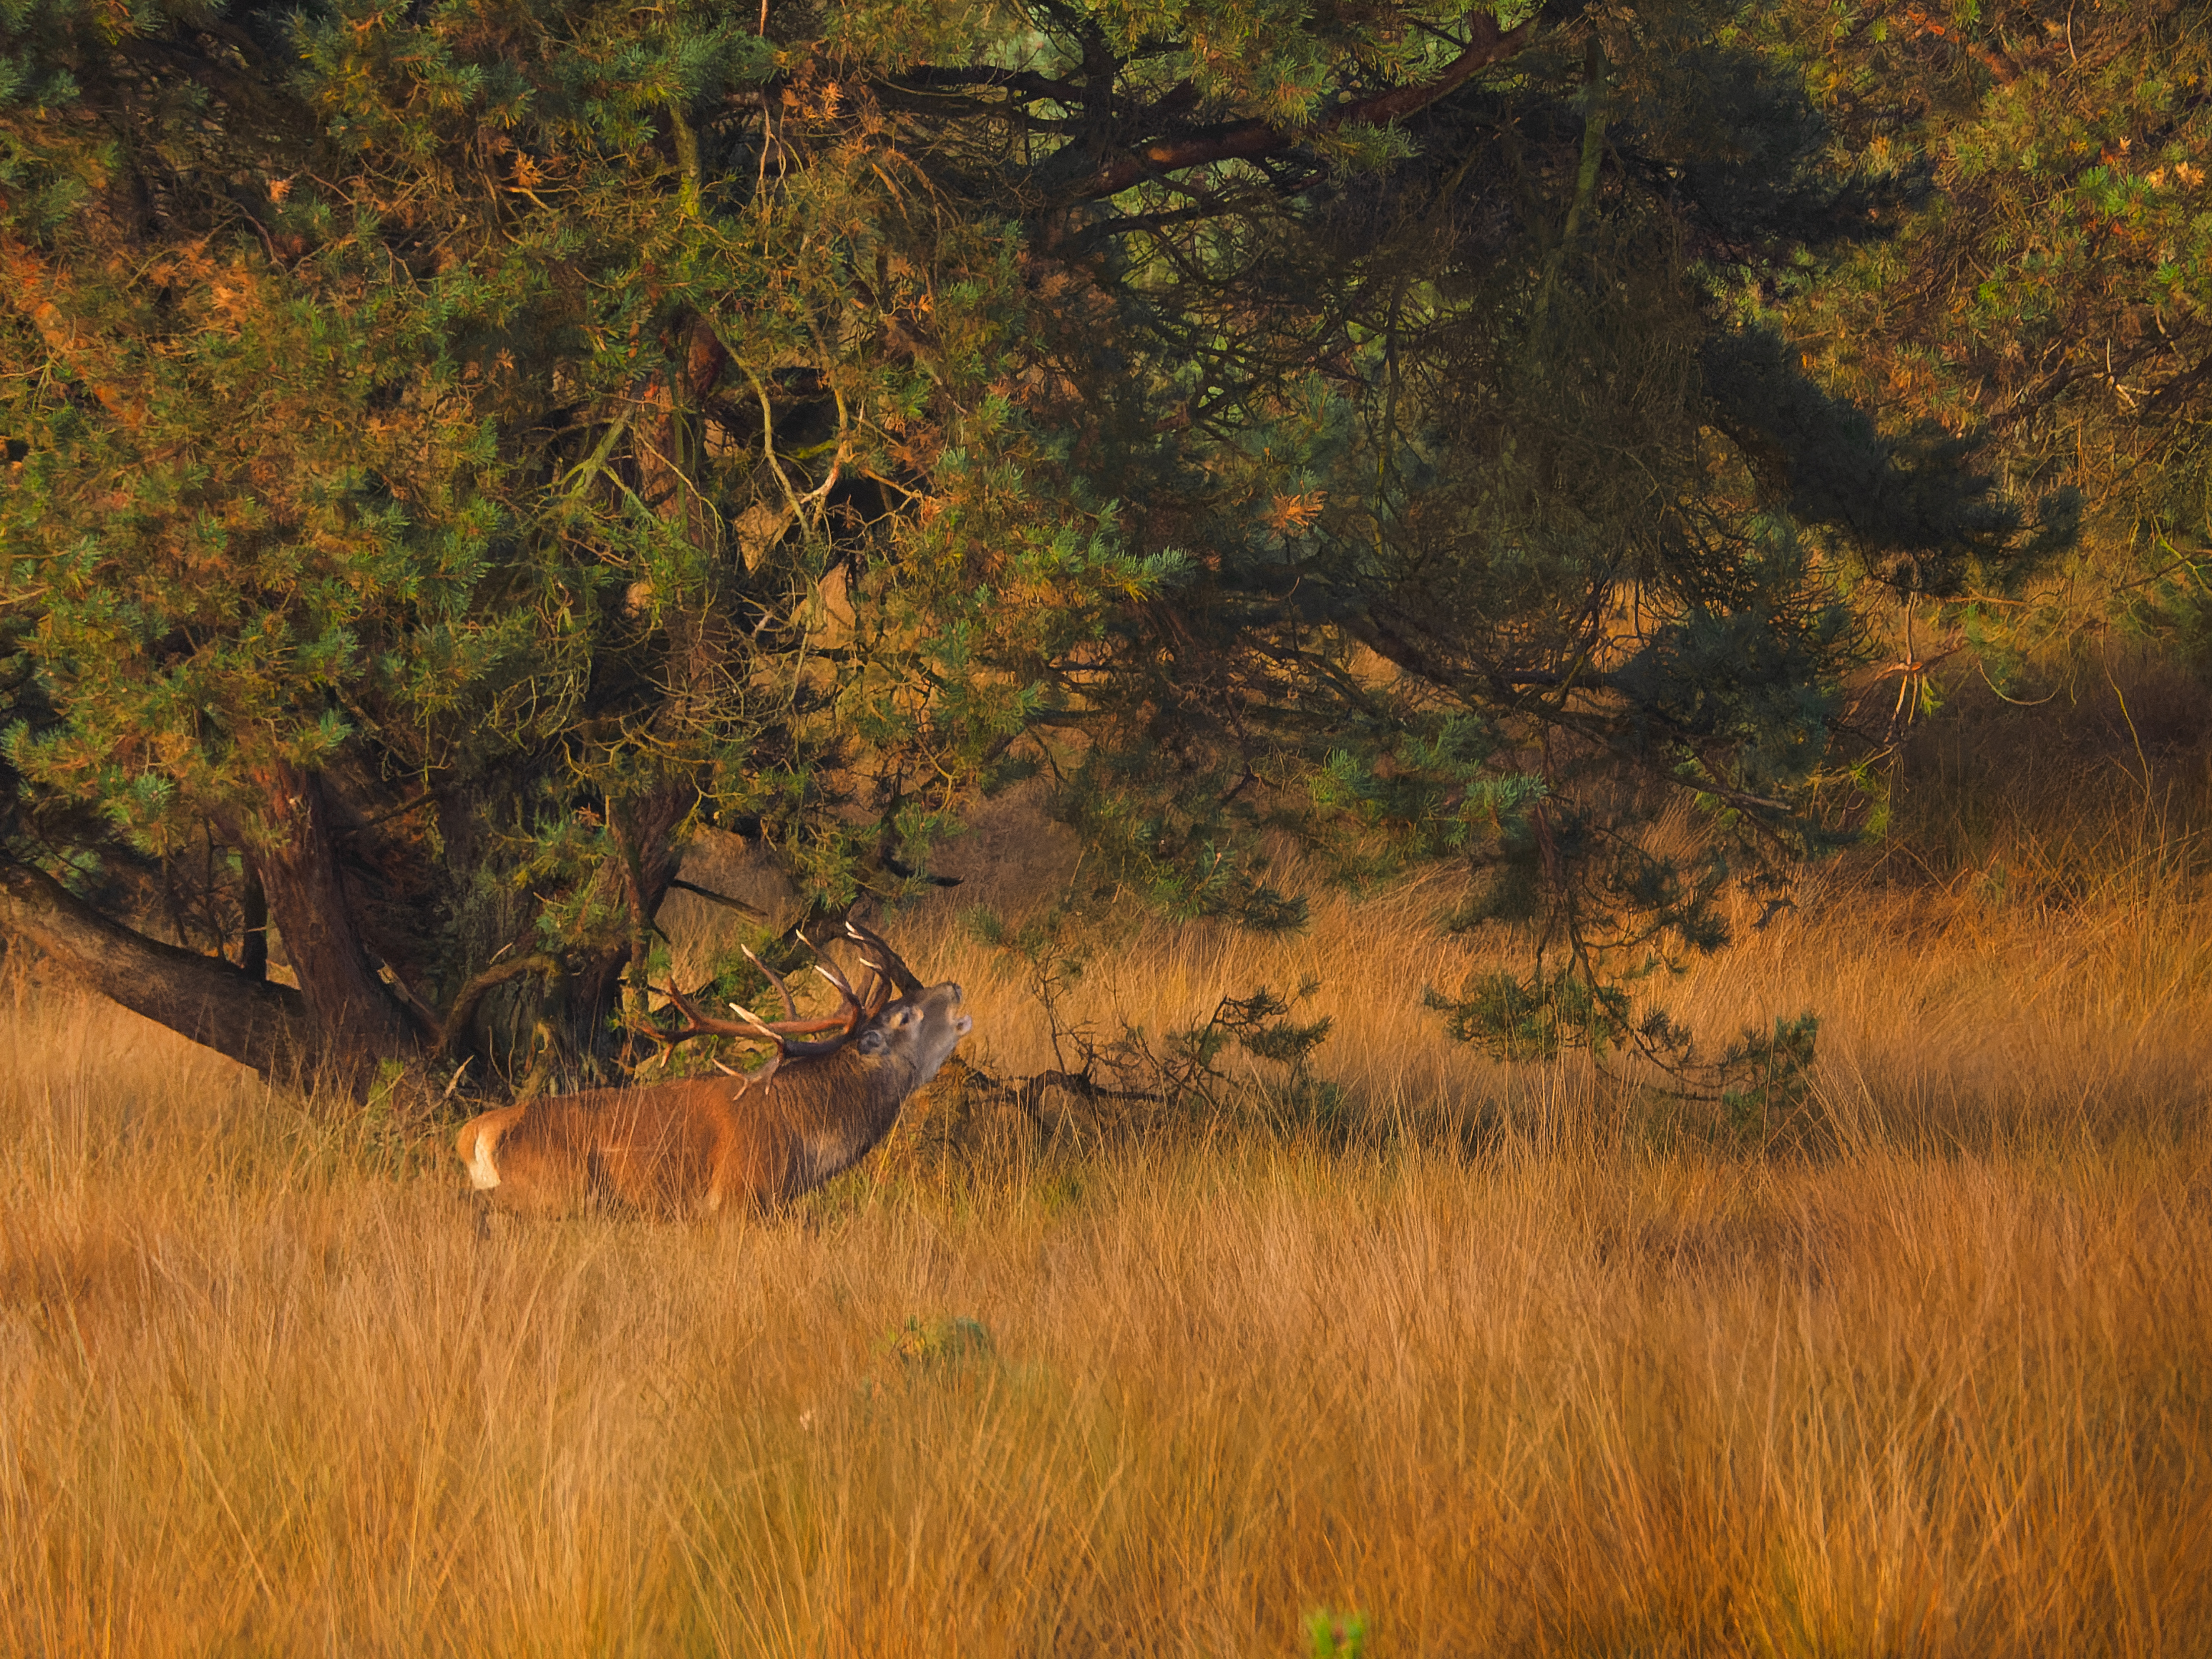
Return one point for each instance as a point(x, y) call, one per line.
point(886, 962)
point(752, 1028)
point(887, 972)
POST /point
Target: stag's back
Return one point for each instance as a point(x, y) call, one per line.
point(703, 1145)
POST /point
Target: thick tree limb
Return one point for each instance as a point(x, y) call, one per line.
point(722, 899)
point(356, 1015)
point(1249, 140)
point(204, 998)
point(456, 1034)
point(959, 76)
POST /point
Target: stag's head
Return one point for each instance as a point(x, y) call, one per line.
point(920, 1030)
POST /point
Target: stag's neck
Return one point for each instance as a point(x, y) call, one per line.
point(841, 1105)
point(846, 1085)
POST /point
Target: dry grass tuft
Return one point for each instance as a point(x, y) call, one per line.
point(1518, 1366)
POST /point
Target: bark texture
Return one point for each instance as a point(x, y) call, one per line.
point(355, 1013)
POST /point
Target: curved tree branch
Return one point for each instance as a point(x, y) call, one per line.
point(1250, 140)
point(457, 1032)
point(204, 998)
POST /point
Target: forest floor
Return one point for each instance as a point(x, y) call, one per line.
point(1500, 1360)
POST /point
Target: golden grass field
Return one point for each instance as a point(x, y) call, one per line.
point(1512, 1363)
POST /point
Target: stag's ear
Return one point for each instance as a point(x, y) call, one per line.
point(871, 1041)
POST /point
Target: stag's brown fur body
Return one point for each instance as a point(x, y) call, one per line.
point(707, 1145)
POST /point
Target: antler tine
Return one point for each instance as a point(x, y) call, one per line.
point(853, 1003)
point(701, 1024)
point(899, 974)
point(780, 1033)
point(790, 1008)
point(783, 1045)
point(879, 996)
point(849, 1022)
point(828, 971)
point(760, 1027)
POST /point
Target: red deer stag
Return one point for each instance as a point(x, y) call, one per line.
point(698, 1147)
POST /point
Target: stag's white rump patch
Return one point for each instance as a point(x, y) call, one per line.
point(481, 1175)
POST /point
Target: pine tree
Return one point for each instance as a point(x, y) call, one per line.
point(457, 450)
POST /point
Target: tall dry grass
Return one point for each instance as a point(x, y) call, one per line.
point(1515, 1368)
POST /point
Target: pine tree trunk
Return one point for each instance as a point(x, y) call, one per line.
point(356, 1020)
point(253, 946)
point(697, 673)
point(641, 878)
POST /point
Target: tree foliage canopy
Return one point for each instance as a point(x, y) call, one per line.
point(456, 450)
point(2046, 294)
